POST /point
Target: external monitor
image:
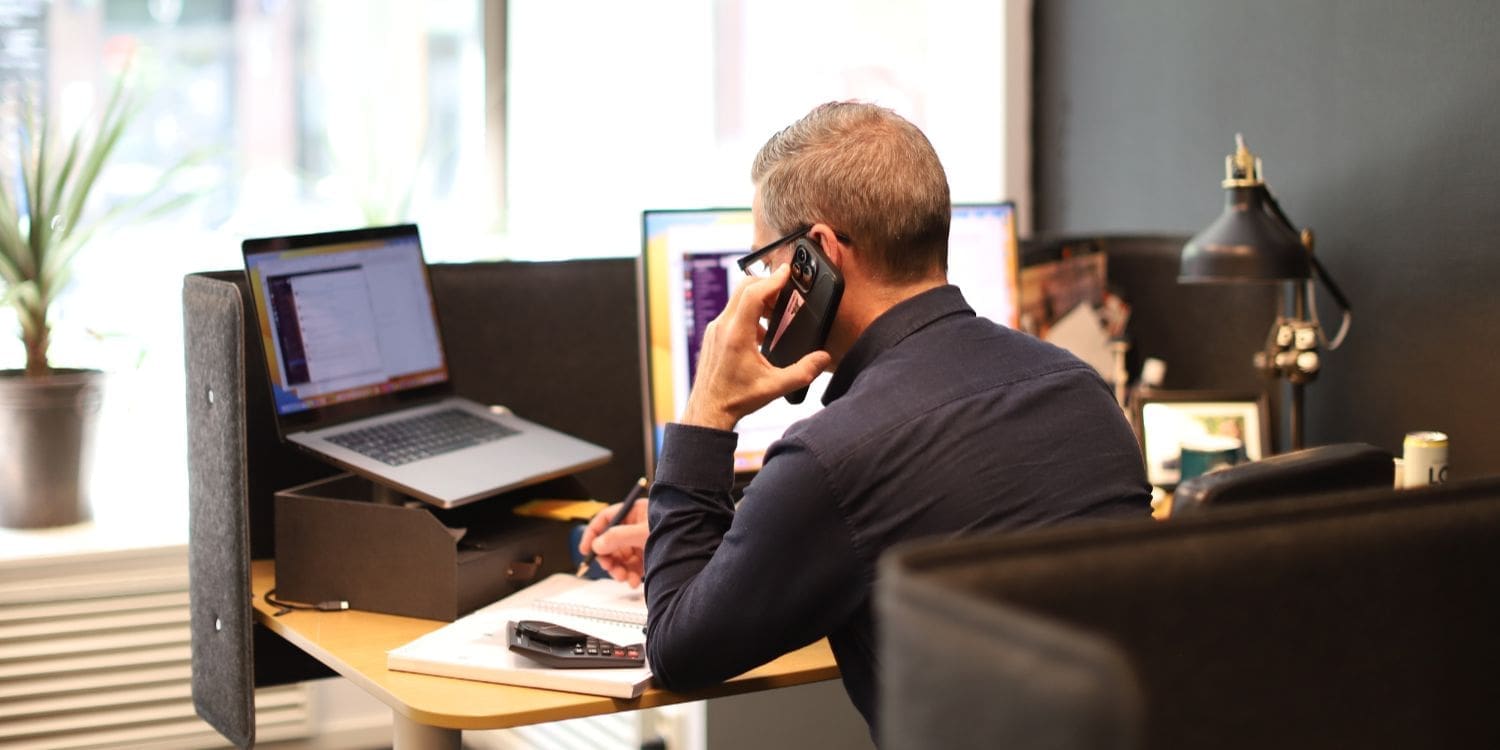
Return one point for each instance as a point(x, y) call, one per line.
point(688, 271)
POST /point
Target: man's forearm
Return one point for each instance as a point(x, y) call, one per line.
point(691, 510)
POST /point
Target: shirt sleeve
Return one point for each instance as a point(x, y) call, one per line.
point(729, 589)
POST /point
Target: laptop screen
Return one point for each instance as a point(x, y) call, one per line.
point(344, 316)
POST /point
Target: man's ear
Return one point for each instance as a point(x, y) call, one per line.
point(829, 242)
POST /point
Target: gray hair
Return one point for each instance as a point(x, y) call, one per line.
point(868, 173)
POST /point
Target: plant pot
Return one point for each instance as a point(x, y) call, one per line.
point(46, 446)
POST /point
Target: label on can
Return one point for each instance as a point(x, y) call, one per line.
point(1424, 459)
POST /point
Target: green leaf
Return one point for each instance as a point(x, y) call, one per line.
point(117, 114)
point(27, 298)
point(75, 242)
point(10, 242)
point(42, 219)
point(31, 255)
point(64, 175)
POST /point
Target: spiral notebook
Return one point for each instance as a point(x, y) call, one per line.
point(474, 647)
point(602, 599)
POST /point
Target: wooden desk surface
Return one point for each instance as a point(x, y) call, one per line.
point(354, 644)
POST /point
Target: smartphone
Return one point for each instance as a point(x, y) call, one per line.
point(804, 310)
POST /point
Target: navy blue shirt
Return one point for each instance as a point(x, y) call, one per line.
point(937, 423)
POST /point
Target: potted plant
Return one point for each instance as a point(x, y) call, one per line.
point(47, 414)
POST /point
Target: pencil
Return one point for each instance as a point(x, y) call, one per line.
point(636, 492)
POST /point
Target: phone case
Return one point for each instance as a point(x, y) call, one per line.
point(804, 310)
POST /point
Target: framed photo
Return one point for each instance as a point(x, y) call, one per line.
point(1164, 420)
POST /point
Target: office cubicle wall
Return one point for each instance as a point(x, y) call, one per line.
point(557, 342)
point(235, 462)
point(1347, 620)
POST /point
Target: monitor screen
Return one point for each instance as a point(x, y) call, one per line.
point(688, 270)
point(984, 259)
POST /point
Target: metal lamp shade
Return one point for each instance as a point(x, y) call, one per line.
point(1245, 244)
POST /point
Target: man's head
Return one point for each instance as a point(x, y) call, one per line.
point(868, 173)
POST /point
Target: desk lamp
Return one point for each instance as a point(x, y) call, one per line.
point(1254, 242)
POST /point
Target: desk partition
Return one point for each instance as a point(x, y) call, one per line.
point(1362, 619)
point(558, 343)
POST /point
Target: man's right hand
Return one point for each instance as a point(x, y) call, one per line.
point(734, 378)
point(619, 550)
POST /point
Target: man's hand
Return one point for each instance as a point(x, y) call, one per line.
point(734, 378)
point(619, 550)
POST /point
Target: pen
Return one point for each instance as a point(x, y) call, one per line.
point(635, 494)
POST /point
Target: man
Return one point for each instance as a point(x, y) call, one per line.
point(936, 423)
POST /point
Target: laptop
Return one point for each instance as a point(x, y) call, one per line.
point(358, 374)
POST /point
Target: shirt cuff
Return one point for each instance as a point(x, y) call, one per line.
point(697, 457)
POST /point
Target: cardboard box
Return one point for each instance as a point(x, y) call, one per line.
point(344, 538)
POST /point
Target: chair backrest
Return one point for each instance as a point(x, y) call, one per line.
point(556, 342)
point(958, 670)
point(1347, 620)
point(1310, 471)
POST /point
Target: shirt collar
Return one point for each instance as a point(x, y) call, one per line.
point(905, 318)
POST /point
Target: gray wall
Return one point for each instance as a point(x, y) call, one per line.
point(1379, 127)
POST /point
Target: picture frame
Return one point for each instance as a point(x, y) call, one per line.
point(1164, 419)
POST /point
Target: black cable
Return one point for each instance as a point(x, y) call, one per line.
point(1338, 294)
point(283, 607)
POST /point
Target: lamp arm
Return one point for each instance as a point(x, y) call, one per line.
point(1338, 294)
point(1323, 275)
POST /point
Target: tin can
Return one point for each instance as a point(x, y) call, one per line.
point(1424, 459)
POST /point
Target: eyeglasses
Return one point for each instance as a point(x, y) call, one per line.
point(755, 263)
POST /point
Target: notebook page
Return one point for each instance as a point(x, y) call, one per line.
point(601, 599)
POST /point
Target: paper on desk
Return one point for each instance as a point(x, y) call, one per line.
point(1081, 332)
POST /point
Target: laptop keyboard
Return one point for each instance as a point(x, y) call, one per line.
point(414, 438)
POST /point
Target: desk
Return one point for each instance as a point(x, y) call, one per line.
point(432, 711)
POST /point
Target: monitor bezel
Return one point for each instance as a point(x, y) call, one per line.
point(643, 278)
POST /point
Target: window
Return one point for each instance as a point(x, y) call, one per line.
point(335, 113)
point(312, 115)
point(618, 107)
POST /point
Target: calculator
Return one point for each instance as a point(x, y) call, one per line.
point(565, 648)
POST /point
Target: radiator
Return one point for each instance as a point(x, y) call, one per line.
point(94, 653)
